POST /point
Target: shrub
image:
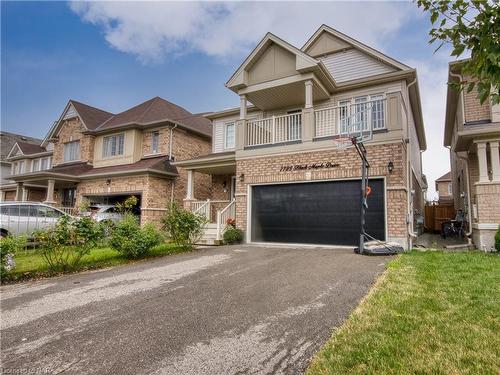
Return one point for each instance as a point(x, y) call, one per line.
point(232, 235)
point(127, 205)
point(133, 241)
point(184, 228)
point(497, 239)
point(9, 246)
point(64, 245)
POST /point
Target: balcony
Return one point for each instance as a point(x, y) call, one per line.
point(274, 130)
point(350, 117)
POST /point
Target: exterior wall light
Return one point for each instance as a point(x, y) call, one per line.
point(390, 166)
point(242, 177)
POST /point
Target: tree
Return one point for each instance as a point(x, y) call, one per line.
point(470, 26)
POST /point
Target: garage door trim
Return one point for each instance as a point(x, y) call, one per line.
point(249, 206)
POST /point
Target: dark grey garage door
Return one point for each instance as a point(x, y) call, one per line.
point(316, 212)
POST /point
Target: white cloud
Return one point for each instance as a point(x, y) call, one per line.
point(155, 30)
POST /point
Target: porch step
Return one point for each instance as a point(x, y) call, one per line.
point(209, 236)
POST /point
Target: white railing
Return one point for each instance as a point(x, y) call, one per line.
point(276, 129)
point(351, 117)
point(68, 210)
point(228, 212)
point(203, 208)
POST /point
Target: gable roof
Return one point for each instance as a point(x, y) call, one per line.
point(30, 148)
point(157, 110)
point(92, 117)
point(8, 140)
point(304, 62)
point(354, 43)
point(445, 177)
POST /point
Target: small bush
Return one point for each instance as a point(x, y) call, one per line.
point(232, 235)
point(64, 245)
point(133, 241)
point(9, 246)
point(184, 228)
point(497, 239)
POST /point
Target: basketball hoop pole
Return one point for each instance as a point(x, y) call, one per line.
point(360, 148)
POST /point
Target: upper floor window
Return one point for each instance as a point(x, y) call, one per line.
point(155, 142)
point(378, 113)
point(45, 163)
point(450, 191)
point(344, 115)
point(362, 113)
point(72, 151)
point(113, 145)
point(229, 135)
point(35, 165)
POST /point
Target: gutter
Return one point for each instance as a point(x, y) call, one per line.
point(469, 210)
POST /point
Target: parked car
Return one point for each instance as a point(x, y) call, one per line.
point(23, 218)
point(104, 213)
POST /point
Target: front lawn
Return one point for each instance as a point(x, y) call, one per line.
point(430, 313)
point(30, 264)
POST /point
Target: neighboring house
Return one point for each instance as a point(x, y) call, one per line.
point(25, 145)
point(472, 133)
point(103, 157)
point(444, 189)
point(273, 164)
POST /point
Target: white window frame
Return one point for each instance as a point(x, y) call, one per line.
point(21, 165)
point(49, 162)
point(226, 126)
point(350, 105)
point(375, 98)
point(72, 155)
point(155, 145)
point(450, 188)
point(112, 149)
point(37, 162)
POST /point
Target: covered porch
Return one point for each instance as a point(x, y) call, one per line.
point(220, 206)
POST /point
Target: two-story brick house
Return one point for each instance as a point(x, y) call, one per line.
point(104, 157)
point(273, 165)
point(444, 188)
point(472, 133)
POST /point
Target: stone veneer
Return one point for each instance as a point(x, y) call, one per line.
point(267, 170)
point(71, 130)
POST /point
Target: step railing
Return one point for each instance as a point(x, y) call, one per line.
point(272, 130)
point(228, 212)
point(203, 208)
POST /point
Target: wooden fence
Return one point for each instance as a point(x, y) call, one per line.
point(435, 214)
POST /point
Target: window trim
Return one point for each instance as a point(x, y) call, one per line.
point(153, 151)
point(117, 146)
point(78, 157)
point(226, 126)
point(350, 103)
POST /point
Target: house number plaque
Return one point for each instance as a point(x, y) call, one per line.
point(305, 167)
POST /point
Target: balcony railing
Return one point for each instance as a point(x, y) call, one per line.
point(350, 117)
point(273, 130)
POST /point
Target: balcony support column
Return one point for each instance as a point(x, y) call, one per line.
point(19, 191)
point(483, 162)
point(495, 161)
point(309, 94)
point(190, 185)
point(243, 107)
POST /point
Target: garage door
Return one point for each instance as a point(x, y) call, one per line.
point(316, 212)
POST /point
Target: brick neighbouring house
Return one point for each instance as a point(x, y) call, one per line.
point(273, 165)
point(104, 158)
point(472, 133)
point(444, 189)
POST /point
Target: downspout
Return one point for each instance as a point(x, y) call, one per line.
point(409, 183)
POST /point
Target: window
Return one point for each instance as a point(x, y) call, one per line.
point(449, 189)
point(44, 211)
point(72, 151)
point(155, 142)
point(113, 145)
point(229, 136)
point(294, 125)
point(378, 116)
point(360, 114)
point(344, 115)
point(35, 165)
point(45, 164)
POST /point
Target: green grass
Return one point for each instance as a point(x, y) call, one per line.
point(30, 264)
point(430, 313)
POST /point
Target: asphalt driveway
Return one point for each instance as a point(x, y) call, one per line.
point(226, 310)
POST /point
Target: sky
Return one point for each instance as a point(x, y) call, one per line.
point(114, 55)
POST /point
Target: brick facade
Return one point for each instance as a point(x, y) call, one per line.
point(71, 130)
point(267, 170)
point(474, 110)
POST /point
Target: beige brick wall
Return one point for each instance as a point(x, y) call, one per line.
point(474, 110)
point(443, 189)
point(71, 130)
point(267, 170)
point(487, 197)
point(163, 141)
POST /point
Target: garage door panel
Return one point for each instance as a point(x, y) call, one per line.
point(316, 212)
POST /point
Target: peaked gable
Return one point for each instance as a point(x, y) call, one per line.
point(15, 151)
point(333, 41)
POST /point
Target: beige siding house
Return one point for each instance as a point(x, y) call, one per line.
point(93, 155)
point(472, 133)
point(273, 164)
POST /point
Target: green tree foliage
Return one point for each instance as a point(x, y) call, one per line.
point(232, 235)
point(64, 245)
point(497, 239)
point(470, 26)
point(184, 228)
point(133, 241)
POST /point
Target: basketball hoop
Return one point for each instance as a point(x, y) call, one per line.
point(342, 142)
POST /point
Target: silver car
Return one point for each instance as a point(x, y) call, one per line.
point(23, 218)
point(104, 213)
